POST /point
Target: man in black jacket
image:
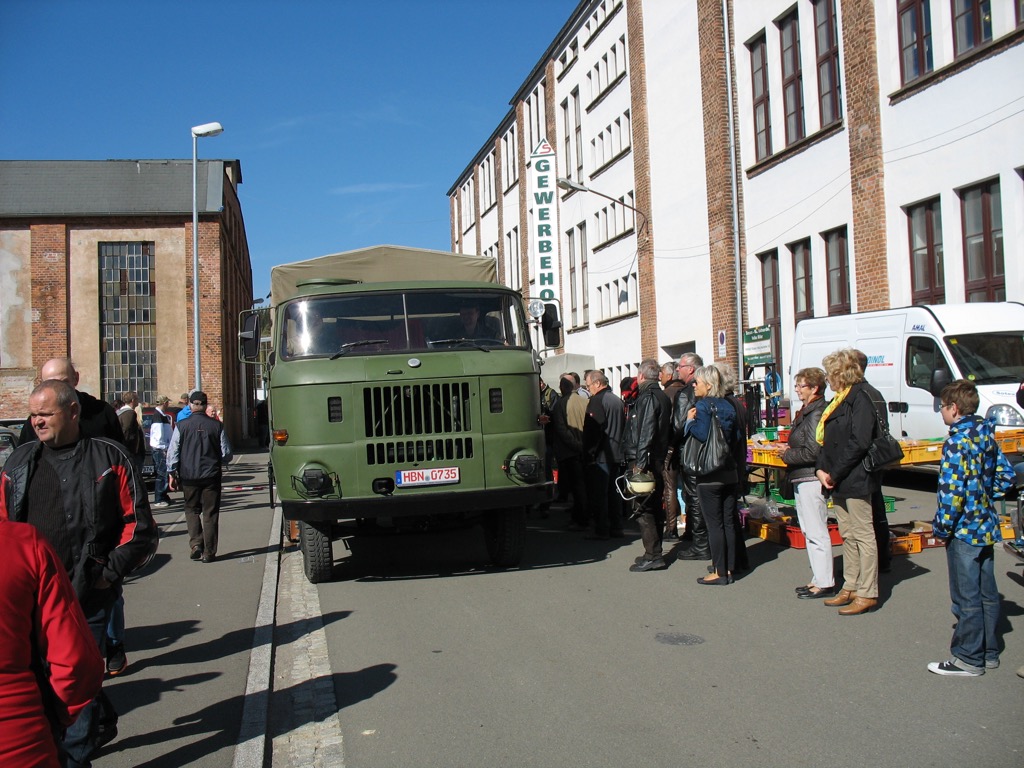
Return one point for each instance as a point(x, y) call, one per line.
point(647, 434)
point(198, 448)
point(86, 497)
point(696, 528)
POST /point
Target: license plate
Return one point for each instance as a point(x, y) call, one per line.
point(405, 478)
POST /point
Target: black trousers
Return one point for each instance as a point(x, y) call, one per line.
point(718, 503)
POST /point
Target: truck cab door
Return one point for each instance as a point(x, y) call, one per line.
point(921, 417)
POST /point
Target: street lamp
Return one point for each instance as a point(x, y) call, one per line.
point(206, 129)
point(574, 186)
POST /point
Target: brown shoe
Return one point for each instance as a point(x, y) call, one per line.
point(859, 605)
point(845, 597)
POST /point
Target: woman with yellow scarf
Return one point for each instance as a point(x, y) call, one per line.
point(845, 433)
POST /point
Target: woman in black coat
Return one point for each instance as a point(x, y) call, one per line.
point(845, 432)
point(811, 510)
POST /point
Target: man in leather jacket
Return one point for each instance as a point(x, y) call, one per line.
point(647, 436)
point(696, 528)
point(86, 497)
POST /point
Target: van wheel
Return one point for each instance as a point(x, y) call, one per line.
point(505, 535)
point(317, 558)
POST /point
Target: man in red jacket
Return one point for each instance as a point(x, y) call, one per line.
point(50, 667)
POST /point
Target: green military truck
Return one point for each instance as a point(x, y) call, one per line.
point(403, 389)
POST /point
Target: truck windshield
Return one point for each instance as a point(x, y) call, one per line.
point(406, 321)
point(989, 358)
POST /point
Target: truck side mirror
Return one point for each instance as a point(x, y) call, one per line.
point(551, 326)
point(249, 337)
point(940, 378)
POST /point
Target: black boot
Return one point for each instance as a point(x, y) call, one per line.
point(698, 549)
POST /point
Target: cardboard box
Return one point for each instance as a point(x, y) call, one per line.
point(928, 538)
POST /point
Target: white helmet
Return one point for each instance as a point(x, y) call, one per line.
point(635, 485)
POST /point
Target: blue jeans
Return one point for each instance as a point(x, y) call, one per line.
point(972, 588)
point(160, 466)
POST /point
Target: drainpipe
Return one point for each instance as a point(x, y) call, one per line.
point(735, 192)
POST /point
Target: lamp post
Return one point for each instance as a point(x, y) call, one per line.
point(575, 186)
point(206, 129)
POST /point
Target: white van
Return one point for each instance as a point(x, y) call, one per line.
point(915, 351)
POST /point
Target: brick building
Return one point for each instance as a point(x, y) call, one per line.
point(96, 264)
point(788, 159)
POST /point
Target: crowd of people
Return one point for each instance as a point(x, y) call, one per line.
point(75, 521)
point(672, 447)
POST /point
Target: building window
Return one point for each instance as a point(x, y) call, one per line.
point(927, 283)
point(770, 296)
point(573, 297)
point(513, 264)
point(915, 29)
point(984, 277)
point(803, 299)
point(584, 274)
point(837, 261)
point(579, 133)
point(759, 88)
point(792, 78)
point(510, 158)
point(826, 40)
point(972, 24)
point(127, 320)
point(487, 182)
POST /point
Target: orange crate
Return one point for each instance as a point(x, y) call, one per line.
point(796, 539)
point(905, 545)
point(767, 530)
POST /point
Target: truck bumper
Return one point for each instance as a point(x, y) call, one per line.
point(398, 505)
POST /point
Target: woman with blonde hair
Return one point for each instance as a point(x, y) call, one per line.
point(845, 433)
point(717, 490)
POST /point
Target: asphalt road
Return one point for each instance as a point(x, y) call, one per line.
point(418, 656)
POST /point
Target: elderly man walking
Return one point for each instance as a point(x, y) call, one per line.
point(199, 446)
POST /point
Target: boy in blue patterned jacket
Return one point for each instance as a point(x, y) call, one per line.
point(974, 471)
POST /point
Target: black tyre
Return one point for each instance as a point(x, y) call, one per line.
point(317, 558)
point(505, 536)
point(270, 484)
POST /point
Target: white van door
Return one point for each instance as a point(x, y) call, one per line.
point(920, 415)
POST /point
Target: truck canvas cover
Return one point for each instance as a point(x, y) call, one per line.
point(380, 263)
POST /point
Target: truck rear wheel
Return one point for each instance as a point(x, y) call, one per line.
point(317, 557)
point(505, 536)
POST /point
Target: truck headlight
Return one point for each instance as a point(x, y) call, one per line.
point(1005, 416)
point(524, 466)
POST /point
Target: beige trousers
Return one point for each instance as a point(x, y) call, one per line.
point(860, 552)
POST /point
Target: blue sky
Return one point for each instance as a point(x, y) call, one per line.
point(351, 118)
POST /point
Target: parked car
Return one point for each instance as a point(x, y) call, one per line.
point(8, 442)
point(148, 411)
point(14, 425)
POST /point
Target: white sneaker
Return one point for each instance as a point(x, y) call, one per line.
point(161, 504)
point(953, 668)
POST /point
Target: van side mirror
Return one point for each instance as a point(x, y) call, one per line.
point(249, 337)
point(940, 379)
point(551, 326)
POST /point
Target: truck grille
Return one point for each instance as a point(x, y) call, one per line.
point(433, 414)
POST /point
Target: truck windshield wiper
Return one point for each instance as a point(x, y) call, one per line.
point(472, 342)
point(365, 342)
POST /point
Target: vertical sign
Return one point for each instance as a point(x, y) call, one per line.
point(544, 235)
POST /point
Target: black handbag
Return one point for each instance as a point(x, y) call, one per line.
point(703, 458)
point(885, 449)
point(786, 489)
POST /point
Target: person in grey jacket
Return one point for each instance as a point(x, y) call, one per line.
point(199, 446)
point(811, 508)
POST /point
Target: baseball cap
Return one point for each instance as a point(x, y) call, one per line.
point(198, 397)
point(163, 400)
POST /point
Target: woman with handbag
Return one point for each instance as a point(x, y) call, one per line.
point(708, 454)
point(845, 432)
point(811, 509)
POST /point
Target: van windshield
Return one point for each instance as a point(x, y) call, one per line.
point(407, 321)
point(989, 358)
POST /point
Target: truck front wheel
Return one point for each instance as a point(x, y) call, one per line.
point(505, 536)
point(317, 557)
